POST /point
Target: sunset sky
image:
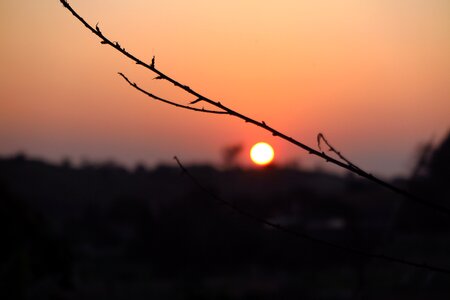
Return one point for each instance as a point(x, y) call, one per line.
point(373, 76)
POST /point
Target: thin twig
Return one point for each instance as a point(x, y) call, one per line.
point(261, 124)
point(133, 84)
point(321, 137)
point(303, 235)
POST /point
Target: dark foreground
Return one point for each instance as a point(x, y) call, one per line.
point(102, 232)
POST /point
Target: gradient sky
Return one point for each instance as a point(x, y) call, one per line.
point(373, 76)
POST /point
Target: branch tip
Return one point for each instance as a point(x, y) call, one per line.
point(153, 62)
point(196, 101)
point(319, 137)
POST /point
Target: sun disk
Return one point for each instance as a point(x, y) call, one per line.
point(262, 153)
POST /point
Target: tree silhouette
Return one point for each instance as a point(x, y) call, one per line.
point(430, 177)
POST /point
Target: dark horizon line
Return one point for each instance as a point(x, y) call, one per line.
point(71, 163)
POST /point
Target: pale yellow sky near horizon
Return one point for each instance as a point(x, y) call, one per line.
point(374, 76)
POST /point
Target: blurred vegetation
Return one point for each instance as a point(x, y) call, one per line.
point(101, 231)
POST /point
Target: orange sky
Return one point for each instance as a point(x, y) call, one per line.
point(374, 76)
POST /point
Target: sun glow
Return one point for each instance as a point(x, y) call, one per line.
point(262, 153)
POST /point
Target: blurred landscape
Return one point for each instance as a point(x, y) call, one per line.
point(100, 231)
point(372, 75)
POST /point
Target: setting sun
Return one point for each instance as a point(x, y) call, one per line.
point(262, 153)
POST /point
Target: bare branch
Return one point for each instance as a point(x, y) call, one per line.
point(168, 101)
point(321, 137)
point(345, 165)
point(304, 235)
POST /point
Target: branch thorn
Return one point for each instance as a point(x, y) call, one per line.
point(153, 62)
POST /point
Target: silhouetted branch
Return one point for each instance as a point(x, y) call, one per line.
point(160, 75)
point(321, 137)
point(168, 101)
point(304, 235)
